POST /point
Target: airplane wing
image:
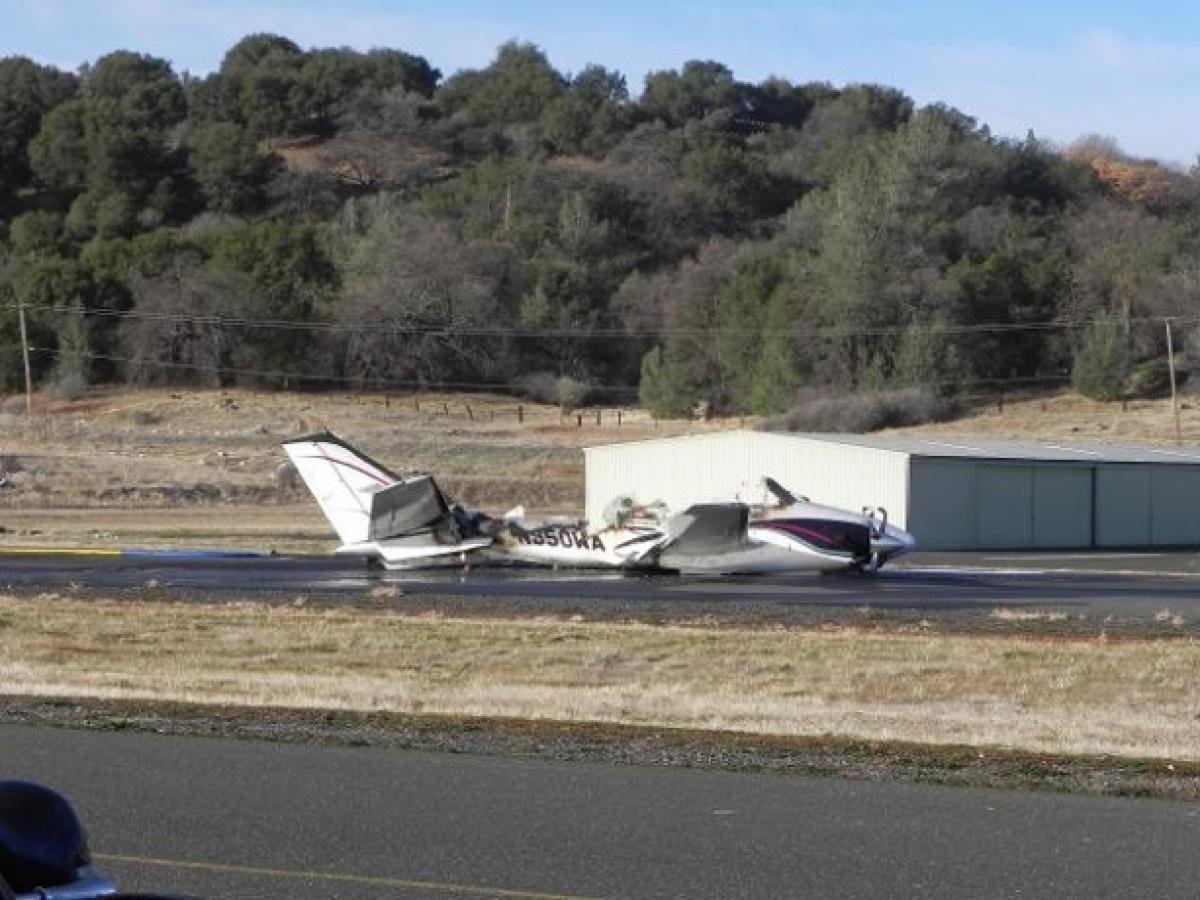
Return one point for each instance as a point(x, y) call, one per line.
point(707, 528)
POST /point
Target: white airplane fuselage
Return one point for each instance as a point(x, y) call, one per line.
point(803, 538)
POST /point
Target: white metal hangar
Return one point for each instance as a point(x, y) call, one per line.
point(951, 493)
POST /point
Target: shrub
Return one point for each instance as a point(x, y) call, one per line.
point(664, 388)
point(1101, 362)
point(861, 412)
point(69, 386)
point(13, 406)
point(550, 388)
point(1150, 379)
point(570, 391)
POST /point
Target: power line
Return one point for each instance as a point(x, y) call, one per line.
point(599, 333)
point(495, 386)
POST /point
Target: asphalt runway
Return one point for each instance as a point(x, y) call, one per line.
point(229, 818)
point(1130, 586)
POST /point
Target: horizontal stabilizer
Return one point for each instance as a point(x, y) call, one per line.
point(405, 507)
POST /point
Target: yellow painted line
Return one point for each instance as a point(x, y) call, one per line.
point(57, 551)
point(442, 887)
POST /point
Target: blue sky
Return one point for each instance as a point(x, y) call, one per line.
point(1061, 67)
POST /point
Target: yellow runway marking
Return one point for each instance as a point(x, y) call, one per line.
point(443, 887)
point(56, 551)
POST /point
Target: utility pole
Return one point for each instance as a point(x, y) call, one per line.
point(1174, 393)
point(25, 356)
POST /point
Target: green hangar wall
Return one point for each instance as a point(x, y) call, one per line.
point(995, 506)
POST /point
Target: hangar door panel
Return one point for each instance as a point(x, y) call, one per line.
point(941, 504)
point(1004, 509)
point(1175, 505)
point(1062, 506)
point(1122, 506)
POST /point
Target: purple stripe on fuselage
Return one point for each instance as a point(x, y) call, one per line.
point(808, 535)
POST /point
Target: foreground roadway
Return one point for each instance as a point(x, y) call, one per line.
point(229, 818)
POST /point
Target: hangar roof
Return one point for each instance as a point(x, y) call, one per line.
point(965, 447)
point(991, 448)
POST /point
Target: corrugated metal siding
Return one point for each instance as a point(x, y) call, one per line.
point(720, 466)
point(680, 471)
point(834, 474)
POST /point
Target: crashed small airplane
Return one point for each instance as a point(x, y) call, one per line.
point(407, 523)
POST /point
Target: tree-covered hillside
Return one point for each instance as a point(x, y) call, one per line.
point(309, 218)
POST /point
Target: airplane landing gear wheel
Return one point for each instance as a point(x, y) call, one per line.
point(869, 566)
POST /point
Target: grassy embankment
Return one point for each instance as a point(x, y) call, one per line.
point(1134, 698)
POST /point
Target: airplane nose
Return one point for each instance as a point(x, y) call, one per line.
point(893, 542)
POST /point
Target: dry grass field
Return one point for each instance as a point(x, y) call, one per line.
point(150, 467)
point(1068, 416)
point(1097, 697)
point(202, 468)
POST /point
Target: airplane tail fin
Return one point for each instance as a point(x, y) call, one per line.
point(358, 496)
